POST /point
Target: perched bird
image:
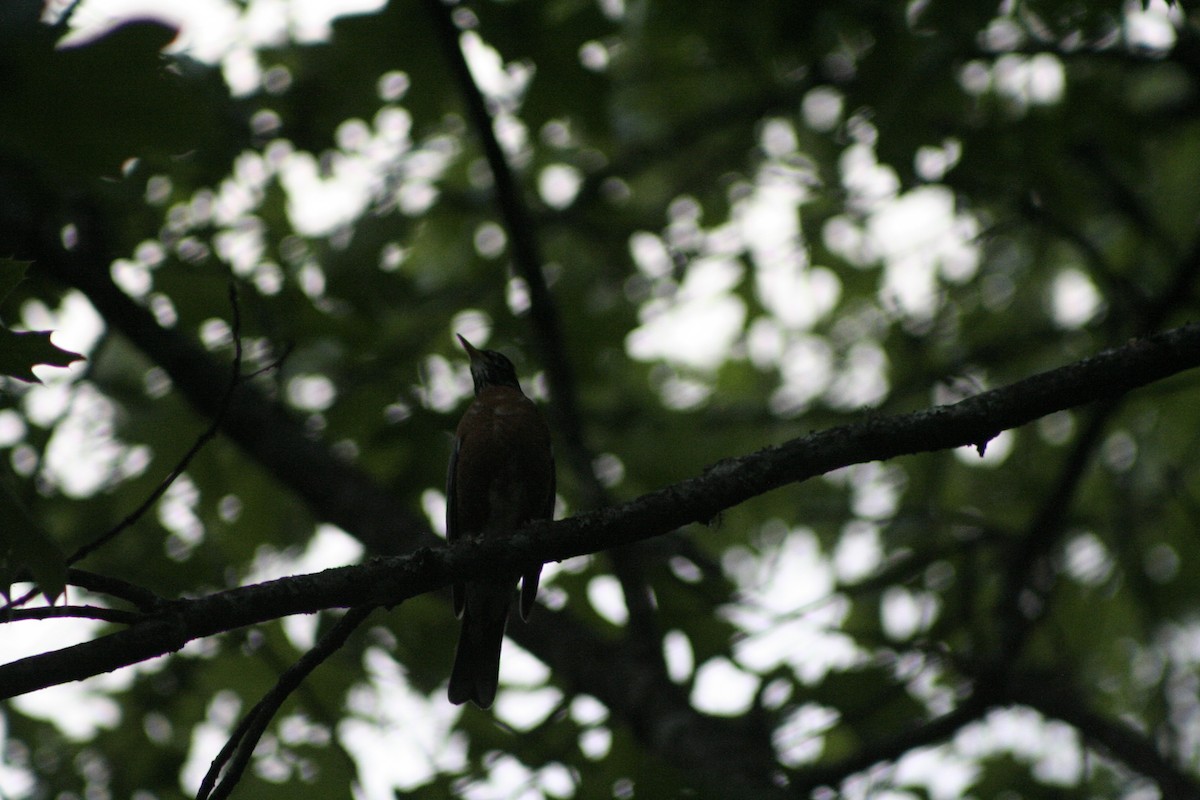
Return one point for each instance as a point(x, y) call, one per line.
point(501, 476)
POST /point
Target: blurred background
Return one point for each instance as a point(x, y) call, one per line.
point(698, 229)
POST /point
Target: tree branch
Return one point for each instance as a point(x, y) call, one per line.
point(235, 755)
point(526, 255)
point(1044, 533)
point(140, 597)
point(931, 732)
point(1053, 697)
point(726, 483)
point(71, 612)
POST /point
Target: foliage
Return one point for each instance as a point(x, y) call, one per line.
point(700, 229)
point(21, 351)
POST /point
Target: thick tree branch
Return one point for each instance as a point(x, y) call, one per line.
point(726, 483)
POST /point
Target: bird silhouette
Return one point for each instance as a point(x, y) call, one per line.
point(501, 477)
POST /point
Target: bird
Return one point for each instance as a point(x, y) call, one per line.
point(501, 476)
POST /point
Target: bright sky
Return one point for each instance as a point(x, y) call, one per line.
point(791, 613)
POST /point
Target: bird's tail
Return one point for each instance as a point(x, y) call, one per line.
point(476, 671)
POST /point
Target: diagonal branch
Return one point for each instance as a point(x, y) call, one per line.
point(1044, 534)
point(141, 598)
point(206, 436)
point(722, 485)
point(235, 755)
point(930, 732)
point(1022, 578)
point(526, 254)
point(1054, 697)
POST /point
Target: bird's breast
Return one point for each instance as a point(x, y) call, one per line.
point(505, 468)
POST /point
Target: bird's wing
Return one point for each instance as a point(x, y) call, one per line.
point(458, 593)
point(529, 581)
point(548, 508)
point(452, 493)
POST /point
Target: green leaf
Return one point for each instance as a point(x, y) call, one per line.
point(25, 546)
point(83, 110)
point(12, 272)
point(19, 352)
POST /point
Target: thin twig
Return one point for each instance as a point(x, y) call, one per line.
point(235, 755)
point(140, 597)
point(72, 612)
point(8, 607)
point(63, 23)
point(144, 599)
point(204, 438)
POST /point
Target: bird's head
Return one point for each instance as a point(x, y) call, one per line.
point(489, 368)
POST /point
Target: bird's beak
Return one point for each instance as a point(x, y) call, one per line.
point(470, 348)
